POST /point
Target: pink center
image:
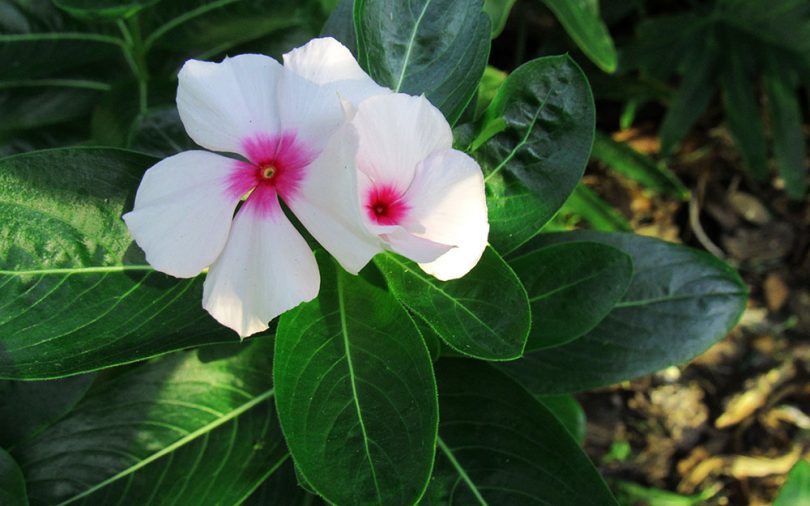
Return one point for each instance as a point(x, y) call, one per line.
point(385, 205)
point(276, 165)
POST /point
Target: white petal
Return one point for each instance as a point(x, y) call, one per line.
point(265, 269)
point(448, 202)
point(312, 111)
point(418, 249)
point(396, 132)
point(222, 104)
point(327, 207)
point(326, 61)
point(183, 211)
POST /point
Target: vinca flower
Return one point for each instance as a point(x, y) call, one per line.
point(281, 121)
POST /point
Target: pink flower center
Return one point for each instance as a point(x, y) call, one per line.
point(385, 206)
point(276, 165)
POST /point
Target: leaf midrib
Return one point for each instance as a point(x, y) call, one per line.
point(410, 46)
point(176, 445)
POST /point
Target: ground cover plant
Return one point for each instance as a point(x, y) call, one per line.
point(402, 380)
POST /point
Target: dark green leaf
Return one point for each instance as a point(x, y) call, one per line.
point(484, 314)
point(788, 133)
point(639, 167)
point(355, 393)
point(498, 12)
point(569, 413)
point(282, 489)
point(680, 302)
point(796, 490)
point(12, 484)
point(103, 9)
point(340, 25)
point(76, 293)
point(28, 407)
point(26, 108)
point(30, 55)
point(431, 338)
point(581, 20)
point(535, 162)
point(159, 132)
point(572, 287)
point(435, 47)
point(588, 205)
point(190, 428)
point(500, 446)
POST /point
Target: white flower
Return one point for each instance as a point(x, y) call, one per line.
point(418, 197)
point(282, 121)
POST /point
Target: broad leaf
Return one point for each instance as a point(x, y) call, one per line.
point(788, 132)
point(103, 9)
point(76, 293)
point(796, 490)
point(500, 446)
point(572, 287)
point(569, 413)
point(12, 484)
point(355, 393)
point(34, 107)
point(581, 20)
point(435, 47)
point(680, 302)
point(30, 55)
point(191, 428)
point(28, 407)
point(484, 314)
point(498, 12)
point(535, 162)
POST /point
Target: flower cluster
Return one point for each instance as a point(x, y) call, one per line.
point(362, 168)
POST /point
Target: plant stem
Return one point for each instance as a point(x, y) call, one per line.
point(135, 55)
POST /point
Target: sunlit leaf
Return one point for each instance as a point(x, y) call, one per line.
point(796, 490)
point(581, 20)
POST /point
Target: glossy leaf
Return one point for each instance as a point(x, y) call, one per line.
point(12, 484)
point(435, 47)
point(788, 137)
point(569, 413)
point(355, 393)
point(639, 167)
point(191, 428)
point(103, 9)
point(535, 162)
point(28, 407)
point(484, 314)
point(500, 446)
point(76, 293)
point(581, 20)
point(498, 12)
point(680, 302)
point(796, 490)
point(588, 205)
point(572, 287)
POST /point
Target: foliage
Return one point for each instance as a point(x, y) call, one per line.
point(390, 387)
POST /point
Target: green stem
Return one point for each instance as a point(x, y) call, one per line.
point(135, 55)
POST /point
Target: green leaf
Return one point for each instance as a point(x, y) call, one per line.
point(588, 205)
point(680, 302)
point(572, 287)
point(355, 393)
point(796, 490)
point(31, 107)
point(159, 132)
point(787, 132)
point(639, 167)
point(30, 55)
point(498, 12)
point(500, 446)
point(487, 89)
point(28, 407)
point(103, 9)
point(282, 489)
point(484, 314)
point(569, 413)
point(340, 25)
point(76, 293)
point(535, 162)
point(190, 428)
point(581, 20)
point(12, 484)
point(436, 47)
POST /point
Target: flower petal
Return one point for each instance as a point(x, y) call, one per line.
point(222, 104)
point(265, 269)
point(396, 132)
point(183, 211)
point(326, 61)
point(325, 205)
point(448, 201)
point(418, 249)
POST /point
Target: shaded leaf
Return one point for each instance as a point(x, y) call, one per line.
point(435, 47)
point(282, 489)
point(103, 9)
point(500, 446)
point(569, 413)
point(12, 484)
point(498, 12)
point(76, 293)
point(680, 302)
point(581, 20)
point(340, 25)
point(355, 393)
point(29, 55)
point(788, 133)
point(191, 428)
point(26, 108)
point(484, 314)
point(572, 287)
point(534, 163)
point(159, 132)
point(588, 205)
